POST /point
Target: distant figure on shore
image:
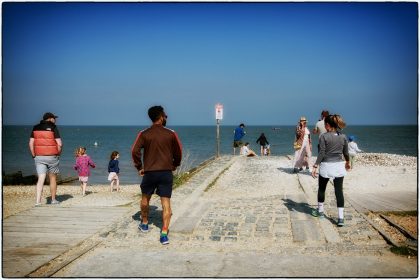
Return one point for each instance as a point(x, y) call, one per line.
point(45, 145)
point(114, 171)
point(333, 146)
point(262, 140)
point(162, 154)
point(246, 151)
point(302, 146)
point(320, 125)
point(238, 134)
point(83, 162)
point(353, 150)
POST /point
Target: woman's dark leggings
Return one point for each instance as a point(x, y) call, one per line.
point(338, 187)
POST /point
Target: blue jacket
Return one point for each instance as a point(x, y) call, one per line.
point(113, 166)
point(239, 133)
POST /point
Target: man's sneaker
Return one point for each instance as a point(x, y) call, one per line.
point(55, 202)
point(143, 227)
point(164, 239)
point(316, 213)
point(340, 222)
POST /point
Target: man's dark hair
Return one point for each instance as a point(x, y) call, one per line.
point(325, 114)
point(155, 112)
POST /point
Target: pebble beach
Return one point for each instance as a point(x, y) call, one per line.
point(20, 198)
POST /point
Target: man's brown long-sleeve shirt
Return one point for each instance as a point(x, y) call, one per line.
point(162, 149)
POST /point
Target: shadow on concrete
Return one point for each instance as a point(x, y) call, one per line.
point(60, 198)
point(287, 170)
point(302, 207)
point(155, 216)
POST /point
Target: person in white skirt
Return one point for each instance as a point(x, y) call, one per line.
point(333, 147)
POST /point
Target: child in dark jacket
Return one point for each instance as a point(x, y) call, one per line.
point(114, 171)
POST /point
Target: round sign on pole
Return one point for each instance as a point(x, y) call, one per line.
point(219, 111)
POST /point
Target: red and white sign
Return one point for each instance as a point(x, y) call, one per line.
point(219, 111)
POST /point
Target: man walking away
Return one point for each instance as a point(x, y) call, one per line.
point(162, 154)
point(320, 125)
point(45, 146)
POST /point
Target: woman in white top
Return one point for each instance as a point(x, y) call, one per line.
point(304, 153)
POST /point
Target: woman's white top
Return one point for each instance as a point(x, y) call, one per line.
point(244, 150)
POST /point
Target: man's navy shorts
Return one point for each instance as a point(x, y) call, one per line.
point(159, 181)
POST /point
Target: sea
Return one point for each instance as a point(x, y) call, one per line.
point(199, 144)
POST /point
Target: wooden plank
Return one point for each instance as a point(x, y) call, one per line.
point(9, 235)
point(53, 266)
point(388, 201)
point(41, 242)
point(54, 230)
point(44, 223)
point(35, 225)
point(402, 229)
point(34, 237)
point(19, 267)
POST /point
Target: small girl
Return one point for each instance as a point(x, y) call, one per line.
point(353, 150)
point(83, 162)
point(114, 170)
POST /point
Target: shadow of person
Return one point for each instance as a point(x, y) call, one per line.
point(155, 216)
point(288, 170)
point(302, 207)
point(60, 198)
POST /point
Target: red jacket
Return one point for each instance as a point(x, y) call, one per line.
point(44, 135)
point(162, 149)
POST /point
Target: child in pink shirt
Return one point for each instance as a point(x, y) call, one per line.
point(83, 162)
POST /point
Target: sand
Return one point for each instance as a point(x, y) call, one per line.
point(372, 173)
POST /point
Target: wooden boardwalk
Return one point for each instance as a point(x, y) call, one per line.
point(385, 202)
point(40, 234)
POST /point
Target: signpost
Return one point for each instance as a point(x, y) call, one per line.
point(219, 117)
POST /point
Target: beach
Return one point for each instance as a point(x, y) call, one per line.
point(373, 172)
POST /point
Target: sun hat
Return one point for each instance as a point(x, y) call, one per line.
point(303, 119)
point(49, 115)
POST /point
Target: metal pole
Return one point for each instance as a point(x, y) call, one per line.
point(217, 139)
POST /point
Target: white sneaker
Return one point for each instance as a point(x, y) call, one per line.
point(55, 202)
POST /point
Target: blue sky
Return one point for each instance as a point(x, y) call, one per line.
point(267, 63)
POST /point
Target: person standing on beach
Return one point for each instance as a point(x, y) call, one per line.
point(303, 149)
point(45, 145)
point(238, 134)
point(162, 154)
point(83, 163)
point(320, 125)
point(114, 171)
point(333, 147)
point(353, 150)
point(262, 140)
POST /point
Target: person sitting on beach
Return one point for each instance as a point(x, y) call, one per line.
point(353, 150)
point(246, 151)
point(267, 150)
point(83, 162)
point(262, 140)
point(333, 147)
point(114, 171)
